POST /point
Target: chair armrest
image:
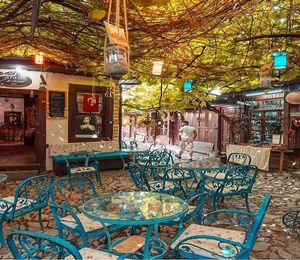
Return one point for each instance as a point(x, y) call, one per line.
point(243, 219)
point(5, 206)
point(226, 246)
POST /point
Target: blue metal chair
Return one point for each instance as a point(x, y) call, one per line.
point(32, 194)
point(239, 159)
point(232, 181)
point(89, 167)
point(34, 245)
point(291, 222)
point(133, 145)
point(141, 182)
point(124, 145)
point(67, 197)
point(158, 163)
point(212, 242)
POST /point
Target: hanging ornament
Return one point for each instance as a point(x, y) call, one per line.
point(157, 67)
point(280, 60)
point(116, 48)
point(97, 15)
point(39, 58)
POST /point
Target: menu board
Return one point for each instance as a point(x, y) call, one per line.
point(56, 104)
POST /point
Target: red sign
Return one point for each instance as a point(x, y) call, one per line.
point(91, 103)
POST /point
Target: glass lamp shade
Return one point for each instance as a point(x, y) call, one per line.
point(39, 58)
point(187, 85)
point(280, 60)
point(116, 61)
point(157, 67)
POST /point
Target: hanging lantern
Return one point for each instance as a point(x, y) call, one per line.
point(280, 60)
point(116, 48)
point(187, 85)
point(39, 58)
point(157, 67)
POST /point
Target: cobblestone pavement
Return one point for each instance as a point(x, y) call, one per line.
point(273, 242)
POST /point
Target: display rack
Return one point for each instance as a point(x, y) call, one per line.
point(266, 119)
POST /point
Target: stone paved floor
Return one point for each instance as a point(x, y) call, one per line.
point(273, 241)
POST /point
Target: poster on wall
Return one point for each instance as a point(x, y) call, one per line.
point(12, 118)
point(88, 126)
point(56, 105)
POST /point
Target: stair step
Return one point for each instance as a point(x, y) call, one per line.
point(19, 174)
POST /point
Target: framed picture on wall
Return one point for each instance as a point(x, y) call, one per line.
point(88, 126)
point(12, 118)
point(276, 139)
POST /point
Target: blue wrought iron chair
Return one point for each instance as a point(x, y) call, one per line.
point(124, 145)
point(76, 167)
point(291, 222)
point(34, 245)
point(239, 159)
point(212, 242)
point(158, 163)
point(141, 182)
point(133, 145)
point(67, 197)
point(32, 194)
point(229, 182)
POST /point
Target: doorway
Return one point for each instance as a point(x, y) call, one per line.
point(22, 129)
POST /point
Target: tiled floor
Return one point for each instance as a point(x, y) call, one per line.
point(273, 242)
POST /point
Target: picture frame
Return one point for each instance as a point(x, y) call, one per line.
point(88, 126)
point(12, 118)
point(276, 139)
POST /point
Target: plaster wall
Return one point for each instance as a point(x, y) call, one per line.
point(57, 129)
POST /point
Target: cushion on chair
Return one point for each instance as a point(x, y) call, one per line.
point(88, 224)
point(20, 203)
point(209, 244)
point(82, 169)
point(89, 253)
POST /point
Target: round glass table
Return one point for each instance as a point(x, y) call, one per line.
point(137, 208)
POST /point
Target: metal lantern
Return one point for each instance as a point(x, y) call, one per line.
point(280, 60)
point(157, 67)
point(116, 60)
point(39, 58)
point(116, 48)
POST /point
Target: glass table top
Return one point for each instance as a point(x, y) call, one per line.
point(135, 208)
point(204, 163)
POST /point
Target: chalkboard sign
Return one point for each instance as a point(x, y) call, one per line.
point(56, 104)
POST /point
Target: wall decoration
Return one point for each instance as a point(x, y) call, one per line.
point(12, 118)
point(56, 105)
point(88, 126)
point(14, 79)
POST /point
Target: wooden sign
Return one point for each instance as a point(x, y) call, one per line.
point(56, 104)
point(14, 79)
point(293, 98)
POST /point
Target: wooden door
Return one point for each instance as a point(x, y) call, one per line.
point(40, 134)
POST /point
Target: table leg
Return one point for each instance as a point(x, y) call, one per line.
point(281, 162)
point(147, 242)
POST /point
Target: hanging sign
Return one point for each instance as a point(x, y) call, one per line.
point(56, 104)
point(293, 98)
point(14, 79)
point(116, 35)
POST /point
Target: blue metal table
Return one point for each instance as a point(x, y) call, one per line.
point(135, 209)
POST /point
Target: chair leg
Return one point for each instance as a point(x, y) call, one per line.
point(247, 203)
point(98, 177)
point(2, 242)
point(40, 219)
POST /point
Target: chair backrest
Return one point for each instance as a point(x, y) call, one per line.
point(34, 245)
point(32, 194)
point(73, 192)
point(257, 222)
point(133, 145)
point(185, 182)
point(160, 158)
point(239, 158)
point(124, 145)
point(138, 177)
